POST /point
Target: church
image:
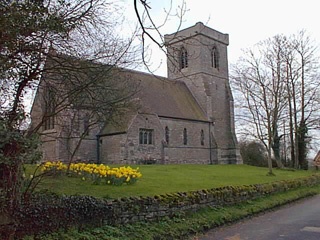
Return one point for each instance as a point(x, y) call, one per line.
point(186, 118)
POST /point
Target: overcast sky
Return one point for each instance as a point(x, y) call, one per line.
point(247, 21)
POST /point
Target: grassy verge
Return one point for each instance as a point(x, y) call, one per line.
point(185, 227)
point(161, 179)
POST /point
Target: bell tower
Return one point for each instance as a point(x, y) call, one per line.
point(198, 57)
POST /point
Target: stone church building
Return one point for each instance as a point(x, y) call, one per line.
point(184, 118)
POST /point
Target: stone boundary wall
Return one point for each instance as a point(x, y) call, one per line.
point(132, 209)
point(46, 213)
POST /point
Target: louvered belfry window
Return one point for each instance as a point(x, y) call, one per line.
point(183, 58)
point(214, 58)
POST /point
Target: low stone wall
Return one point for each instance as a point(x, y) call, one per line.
point(47, 213)
point(127, 210)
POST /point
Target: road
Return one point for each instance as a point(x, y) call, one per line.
point(297, 221)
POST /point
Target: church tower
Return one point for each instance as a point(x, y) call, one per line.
point(198, 57)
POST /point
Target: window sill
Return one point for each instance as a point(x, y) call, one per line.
point(49, 131)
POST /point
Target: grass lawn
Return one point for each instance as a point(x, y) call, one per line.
point(161, 179)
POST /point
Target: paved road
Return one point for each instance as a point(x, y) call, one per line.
point(297, 221)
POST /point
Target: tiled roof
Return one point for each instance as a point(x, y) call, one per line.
point(154, 94)
point(160, 96)
point(166, 97)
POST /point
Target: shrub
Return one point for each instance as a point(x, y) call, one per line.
point(253, 153)
point(48, 212)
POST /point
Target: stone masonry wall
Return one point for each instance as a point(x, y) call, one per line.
point(193, 152)
point(68, 211)
point(125, 148)
point(110, 148)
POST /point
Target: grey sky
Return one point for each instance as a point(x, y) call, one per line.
point(247, 21)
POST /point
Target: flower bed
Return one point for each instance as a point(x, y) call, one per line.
point(97, 173)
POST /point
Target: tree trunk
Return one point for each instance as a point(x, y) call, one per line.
point(270, 172)
point(276, 152)
point(303, 163)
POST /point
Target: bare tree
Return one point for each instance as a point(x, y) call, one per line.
point(302, 86)
point(150, 28)
point(32, 34)
point(258, 80)
point(79, 98)
point(37, 38)
point(275, 83)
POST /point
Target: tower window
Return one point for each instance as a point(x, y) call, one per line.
point(185, 137)
point(202, 137)
point(183, 58)
point(214, 58)
point(145, 136)
point(167, 135)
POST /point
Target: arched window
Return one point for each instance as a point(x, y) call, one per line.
point(141, 136)
point(183, 58)
point(50, 106)
point(167, 135)
point(202, 137)
point(145, 136)
point(214, 58)
point(185, 137)
point(86, 124)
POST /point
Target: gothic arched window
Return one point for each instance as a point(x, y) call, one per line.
point(202, 137)
point(86, 124)
point(185, 137)
point(145, 136)
point(183, 58)
point(214, 58)
point(141, 136)
point(167, 135)
point(50, 105)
